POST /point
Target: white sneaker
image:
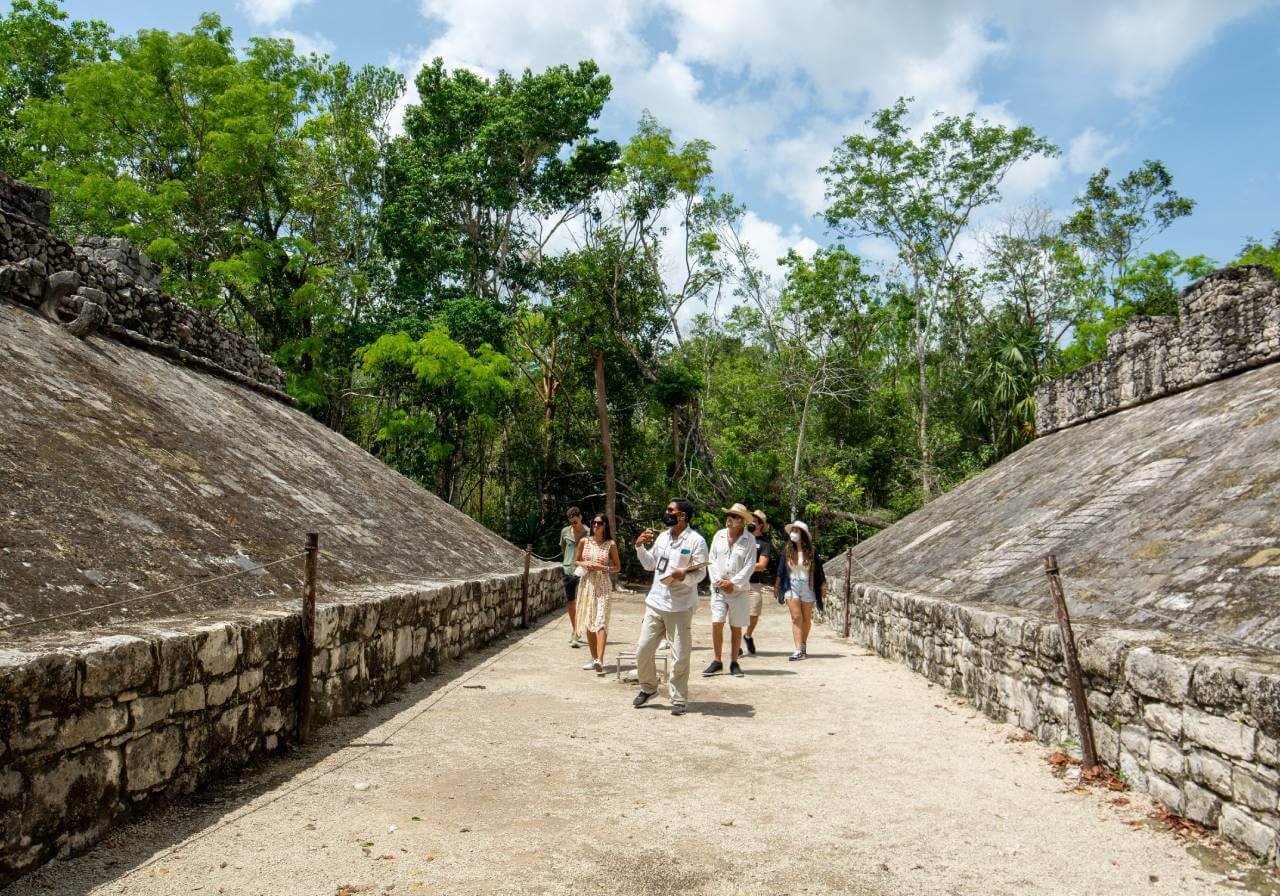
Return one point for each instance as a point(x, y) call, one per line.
point(574, 642)
point(590, 665)
point(664, 644)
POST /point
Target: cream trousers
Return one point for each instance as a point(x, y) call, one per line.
point(677, 628)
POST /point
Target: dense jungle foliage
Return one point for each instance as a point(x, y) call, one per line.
point(522, 315)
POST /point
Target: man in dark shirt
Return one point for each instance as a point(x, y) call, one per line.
point(762, 578)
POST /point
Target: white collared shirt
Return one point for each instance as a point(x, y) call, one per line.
point(734, 562)
point(685, 550)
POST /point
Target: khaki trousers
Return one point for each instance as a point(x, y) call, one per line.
point(676, 627)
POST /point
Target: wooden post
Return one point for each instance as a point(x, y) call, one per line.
point(307, 651)
point(524, 588)
point(1074, 679)
point(848, 587)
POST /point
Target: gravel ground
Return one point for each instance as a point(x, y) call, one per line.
point(517, 772)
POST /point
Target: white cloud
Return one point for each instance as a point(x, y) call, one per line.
point(306, 44)
point(771, 242)
point(1030, 176)
point(1090, 150)
point(1146, 41)
point(494, 34)
point(268, 12)
point(775, 87)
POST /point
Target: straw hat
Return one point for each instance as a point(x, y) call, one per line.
point(798, 525)
point(739, 511)
point(760, 515)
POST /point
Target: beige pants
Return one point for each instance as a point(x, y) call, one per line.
point(677, 628)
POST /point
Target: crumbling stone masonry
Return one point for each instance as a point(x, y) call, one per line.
point(1197, 730)
point(95, 730)
point(1228, 322)
point(1163, 519)
point(106, 285)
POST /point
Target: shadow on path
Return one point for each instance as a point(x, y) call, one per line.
point(724, 710)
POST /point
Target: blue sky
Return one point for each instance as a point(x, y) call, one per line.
point(774, 86)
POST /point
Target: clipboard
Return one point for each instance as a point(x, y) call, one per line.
point(667, 580)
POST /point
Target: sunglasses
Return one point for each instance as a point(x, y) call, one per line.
point(597, 522)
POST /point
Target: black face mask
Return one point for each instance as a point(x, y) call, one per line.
point(670, 519)
point(752, 528)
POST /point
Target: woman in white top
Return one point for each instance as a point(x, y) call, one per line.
point(801, 583)
point(598, 558)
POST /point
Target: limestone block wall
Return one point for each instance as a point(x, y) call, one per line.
point(1197, 730)
point(28, 201)
point(1228, 322)
point(94, 731)
point(115, 275)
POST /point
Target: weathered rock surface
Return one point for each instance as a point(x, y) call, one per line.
point(1164, 522)
point(1227, 322)
point(124, 474)
point(1162, 516)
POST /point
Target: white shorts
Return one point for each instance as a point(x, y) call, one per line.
point(736, 608)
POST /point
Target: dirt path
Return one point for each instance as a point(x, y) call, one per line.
point(519, 773)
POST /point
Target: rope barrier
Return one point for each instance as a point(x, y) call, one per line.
point(141, 597)
point(1181, 622)
point(382, 572)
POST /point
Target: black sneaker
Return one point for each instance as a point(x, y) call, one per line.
point(735, 669)
point(641, 699)
point(677, 709)
point(713, 667)
point(751, 644)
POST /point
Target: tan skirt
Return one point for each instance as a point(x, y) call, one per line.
point(595, 597)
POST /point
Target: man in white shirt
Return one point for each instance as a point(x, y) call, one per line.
point(678, 560)
point(731, 561)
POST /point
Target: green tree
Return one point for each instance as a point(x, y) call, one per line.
point(252, 177)
point(919, 194)
point(39, 45)
point(1258, 252)
point(486, 173)
point(1033, 270)
point(826, 321)
point(432, 391)
point(1113, 221)
point(1150, 286)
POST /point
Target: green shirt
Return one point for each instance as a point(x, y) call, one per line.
point(570, 546)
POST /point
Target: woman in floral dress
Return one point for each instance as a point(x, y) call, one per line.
point(598, 558)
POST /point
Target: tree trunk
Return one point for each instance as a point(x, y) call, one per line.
point(506, 482)
point(873, 522)
point(795, 468)
point(480, 488)
point(926, 456)
point(675, 443)
point(548, 447)
point(606, 446)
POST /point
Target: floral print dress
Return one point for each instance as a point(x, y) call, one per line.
point(595, 590)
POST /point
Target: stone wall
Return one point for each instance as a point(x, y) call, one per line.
point(24, 199)
point(106, 285)
point(91, 733)
point(1228, 322)
point(1196, 729)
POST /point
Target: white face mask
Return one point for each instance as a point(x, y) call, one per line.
point(795, 535)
